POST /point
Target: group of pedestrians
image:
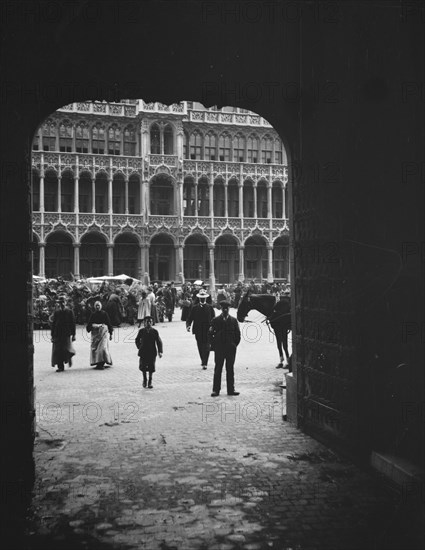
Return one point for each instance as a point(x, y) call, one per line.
point(220, 334)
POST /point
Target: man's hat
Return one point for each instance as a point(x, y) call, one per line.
point(198, 282)
point(225, 303)
point(202, 294)
point(147, 317)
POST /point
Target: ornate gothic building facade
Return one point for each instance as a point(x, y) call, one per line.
point(176, 192)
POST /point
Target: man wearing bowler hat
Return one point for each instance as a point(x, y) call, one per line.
point(225, 336)
point(200, 317)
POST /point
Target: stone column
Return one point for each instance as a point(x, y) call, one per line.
point(42, 193)
point(226, 202)
point(196, 199)
point(146, 276)
point(255, 200)
point(93, 194)
point(269, 205)
point(179, 263)
point(269, 201)
point(42, 259)
point(59, 194)
point(109, 195)
point(76, 194)
point(241, 263)
point(240, 187)
point(270, 276)
point(142, 201)
point(76, 260)
point(141, 271)
point(211, 247)
point(126, 196)
point(110, 248)
point(179, 201)
point(283, 203)
point(147, 200)
point(211, 187)
point(41, 190)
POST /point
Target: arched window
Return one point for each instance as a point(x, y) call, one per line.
point(195, 146)
point(239, 148)
point(49, 136)
point(98, 140)
point(210, 146)
point(65, 137)
point(155, 140)
point(278, 157)
point(81, 138)
point(252, 149)
point(266, 150)
point(224, 147)
point(129, 141)
point(114, 141)
point(168, 140)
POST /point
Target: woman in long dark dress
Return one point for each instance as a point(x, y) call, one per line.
point(114, 309)
point(186, 302)
point(99, 325)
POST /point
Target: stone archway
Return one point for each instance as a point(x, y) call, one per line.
point(256, 258)
point(161, 257)
point(196, 257)
point(93, 255)
point(126, 254)
point(226, 256)
point(327, 209)
point(59, 255)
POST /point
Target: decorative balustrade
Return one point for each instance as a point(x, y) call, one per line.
point(51, 218)
point(124, 219)
point(235, 223)
point(99, 219)
point(166, 221)
point(247, 169)
point(244, 119)
point(157, 107)
point(99, 108)
point(87, 161)
point(68, 218)
point(168, 160)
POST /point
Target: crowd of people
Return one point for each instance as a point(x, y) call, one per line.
point(105, 310)
point(220, 334)
point(123, 301)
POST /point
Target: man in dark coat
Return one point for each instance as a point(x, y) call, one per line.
point(200, 317)
point(62, 334)
point(225, 336)
point(148, 343)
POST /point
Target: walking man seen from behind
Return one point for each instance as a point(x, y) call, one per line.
point(225, 336)
point(201, 316)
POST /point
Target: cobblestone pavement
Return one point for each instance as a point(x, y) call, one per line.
point(120, 466)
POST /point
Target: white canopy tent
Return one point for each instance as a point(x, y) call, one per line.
point(117, 278)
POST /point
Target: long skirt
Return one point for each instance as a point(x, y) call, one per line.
point(99, 350)
point(62, 351)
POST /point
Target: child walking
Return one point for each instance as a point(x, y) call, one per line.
point(148, 343)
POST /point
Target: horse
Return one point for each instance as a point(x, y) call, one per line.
point(278, 315)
